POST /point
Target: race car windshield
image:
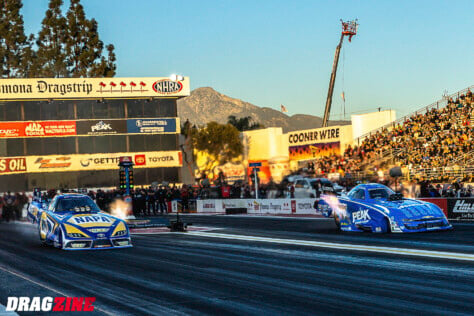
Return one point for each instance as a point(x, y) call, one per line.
point(381, 193)
point(77, 204)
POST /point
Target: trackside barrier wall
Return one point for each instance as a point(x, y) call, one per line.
point(454, 208)
point(258, 206)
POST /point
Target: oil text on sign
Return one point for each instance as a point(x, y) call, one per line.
point(12, 165)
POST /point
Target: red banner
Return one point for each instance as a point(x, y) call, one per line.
point(37, 129)
point(8, 165)
point(441, 202)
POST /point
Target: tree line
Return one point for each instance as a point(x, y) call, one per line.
point(66, 45)
point(220, 142)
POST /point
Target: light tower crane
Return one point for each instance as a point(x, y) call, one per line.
point(349, 28)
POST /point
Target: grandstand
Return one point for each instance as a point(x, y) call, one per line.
point(433, 142)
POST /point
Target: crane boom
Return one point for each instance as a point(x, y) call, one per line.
point(327, 110)
point(348, 28)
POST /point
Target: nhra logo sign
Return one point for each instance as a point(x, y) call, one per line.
point(167, 86)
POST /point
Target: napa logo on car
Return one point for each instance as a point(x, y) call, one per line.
point(360, 216)
point(90, 219)
point(167, 86)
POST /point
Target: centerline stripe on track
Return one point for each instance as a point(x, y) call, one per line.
point(24, 277)
point(320, 244)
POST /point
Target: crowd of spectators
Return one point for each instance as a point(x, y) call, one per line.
point(437, 138)
point(11, 205)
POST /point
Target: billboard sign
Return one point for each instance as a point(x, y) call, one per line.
point(102, 161)
point(37, 129)
point(460, 208)
point(313, 151)
point(152, 126)
point(78, 88)
point(83, 162)
point(314, 143)
point(89, 127)
point(12, 165)
point(101, 127)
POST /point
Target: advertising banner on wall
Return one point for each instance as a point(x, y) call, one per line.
point(461, 208)
point(312, 151)
point(78, 88)
point(37, 129)
point(101, 127)
point(105, 161)
point(260, 206)
point(88, 127)
point(152, 126)
point(12, 165)
point(314, 143)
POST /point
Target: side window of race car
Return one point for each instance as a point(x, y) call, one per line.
point(359, 194)
point(52, 204)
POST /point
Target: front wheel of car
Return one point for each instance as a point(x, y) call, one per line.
point(42, 240)
point(61, 240)
point(387, 229)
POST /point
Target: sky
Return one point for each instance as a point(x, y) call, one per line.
point(270, 52)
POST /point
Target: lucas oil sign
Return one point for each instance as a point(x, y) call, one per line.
point(10, 165)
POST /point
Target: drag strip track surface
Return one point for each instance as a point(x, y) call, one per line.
point(168, 274)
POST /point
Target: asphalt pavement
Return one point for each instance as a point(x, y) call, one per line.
point(240, 265)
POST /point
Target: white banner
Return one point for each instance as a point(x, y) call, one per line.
point(105, 161)
point(77, 88)
point(260, 206)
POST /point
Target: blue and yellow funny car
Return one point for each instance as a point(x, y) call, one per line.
point(376, 208)
point(74, 221)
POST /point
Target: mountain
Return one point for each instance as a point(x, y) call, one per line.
point(206, 104)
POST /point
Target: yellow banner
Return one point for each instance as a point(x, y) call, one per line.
point(106, 161)
point(79, 88)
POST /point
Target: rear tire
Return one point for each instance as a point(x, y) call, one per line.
point(337, 221)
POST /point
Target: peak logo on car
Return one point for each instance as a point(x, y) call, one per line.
point(362, 215)
point(167, 86)
point(91, 219)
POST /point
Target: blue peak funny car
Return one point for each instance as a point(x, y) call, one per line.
point(376, 208)
point(74, 221)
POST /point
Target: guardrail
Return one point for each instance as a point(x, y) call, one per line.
point(452, 172)
point(438, 104)
point(300, 206)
